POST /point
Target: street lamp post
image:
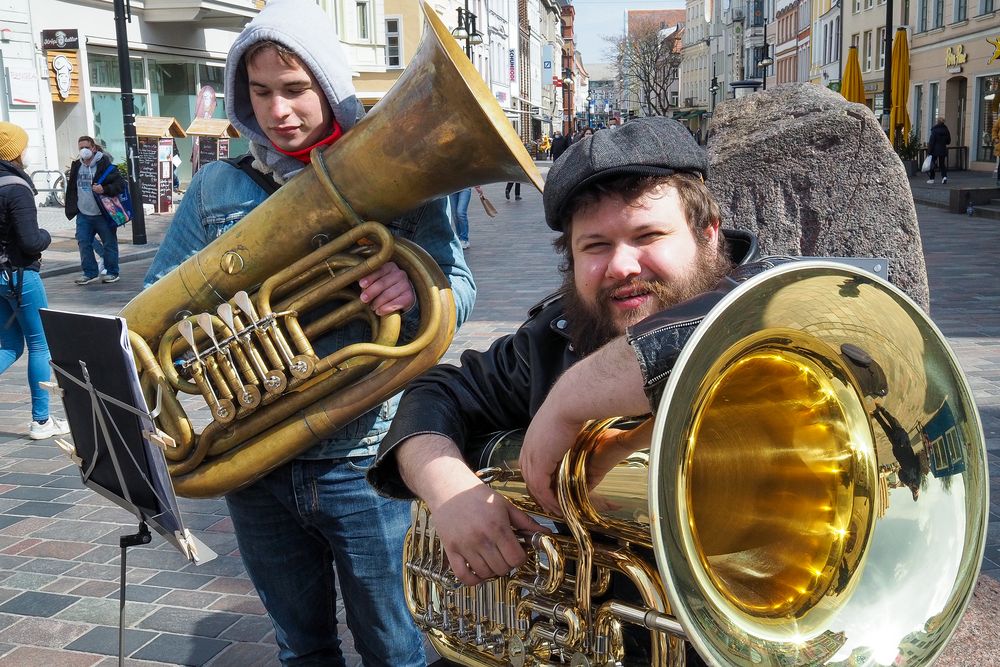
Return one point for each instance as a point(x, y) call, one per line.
point(590, 105)
point(766, 61)
point(128, 118)
point(466, 30)
point(714, 88)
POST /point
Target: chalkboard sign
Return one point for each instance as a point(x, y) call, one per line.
point(149, 170)
point(223, 148)
point(208, 150)
point(166, 181)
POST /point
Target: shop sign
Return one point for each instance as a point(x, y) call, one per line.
point(23, 88)
point(64, 40)
point(996, 51)
point(64, 76)
point(955, 58)
point(513, 64)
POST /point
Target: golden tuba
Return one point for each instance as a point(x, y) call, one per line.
point(235, 324)
point(813, 491)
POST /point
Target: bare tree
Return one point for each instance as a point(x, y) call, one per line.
point(647, 60)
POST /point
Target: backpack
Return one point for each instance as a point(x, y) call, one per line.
point(245, 164)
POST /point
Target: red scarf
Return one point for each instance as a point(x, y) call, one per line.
point(303, 154)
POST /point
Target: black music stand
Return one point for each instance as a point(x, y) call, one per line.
point(115, 442)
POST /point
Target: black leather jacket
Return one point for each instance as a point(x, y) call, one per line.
point(502, 388)
point(20, 237)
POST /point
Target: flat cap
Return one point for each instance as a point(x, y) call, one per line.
point(650, 146)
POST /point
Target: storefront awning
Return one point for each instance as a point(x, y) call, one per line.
point(681, 115)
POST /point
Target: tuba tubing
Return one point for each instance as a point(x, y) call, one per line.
point(270, 396)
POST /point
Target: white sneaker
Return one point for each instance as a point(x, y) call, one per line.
point(930, 180)
point(944, 180)
point(465, 245)
point(53, 426)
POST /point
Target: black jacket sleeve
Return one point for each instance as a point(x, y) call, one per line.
point(71, 195)
point(26, 240)
point(495, 390)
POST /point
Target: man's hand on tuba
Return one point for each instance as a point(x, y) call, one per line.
point(387, 290)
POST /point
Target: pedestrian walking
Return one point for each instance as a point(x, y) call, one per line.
point(937, 148)
point(517, 191)
point(559, 145)
point(21, 289)
point(90, 175)
point(458, 203)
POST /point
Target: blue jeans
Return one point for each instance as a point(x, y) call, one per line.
point(22, 323)
point(87, 226)
point(459, 202)
point(308, 522)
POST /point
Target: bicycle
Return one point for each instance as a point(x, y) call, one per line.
point(56, 188)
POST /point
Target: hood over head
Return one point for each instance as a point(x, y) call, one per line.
point(302, 27)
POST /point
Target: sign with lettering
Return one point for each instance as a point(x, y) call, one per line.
point(955, 56)
point(23, 89)
point(513, 65)
point(67, 39)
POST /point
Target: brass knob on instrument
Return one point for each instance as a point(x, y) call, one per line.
point(231, 262)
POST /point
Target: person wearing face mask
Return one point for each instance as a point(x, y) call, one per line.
point(21, 290)
point(86, 181)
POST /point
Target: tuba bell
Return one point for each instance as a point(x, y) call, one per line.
point(812, 491)
point(232, 324)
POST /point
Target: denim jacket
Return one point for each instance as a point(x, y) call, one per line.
point(220, 195)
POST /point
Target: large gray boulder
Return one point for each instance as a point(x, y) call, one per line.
point(813, 174)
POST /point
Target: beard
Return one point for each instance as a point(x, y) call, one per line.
point(592, 325)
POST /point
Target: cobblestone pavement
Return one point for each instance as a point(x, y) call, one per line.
point(59, 555)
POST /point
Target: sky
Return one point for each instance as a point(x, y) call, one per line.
point(598, 18)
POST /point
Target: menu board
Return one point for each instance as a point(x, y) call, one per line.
point(156, 172)
point(223, 148)
point(149, 170)
point(208, 150)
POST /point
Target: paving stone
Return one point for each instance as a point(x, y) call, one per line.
point(62, 585)
point(179, 580)
point(69, 482)
point(20, 546)
point(46, 566)
point(193, 600)
point(158, 560)
point(232, 585)
point(105, 611)
point(25, 479)
point(58, 549)
point(187, 621)
point(246, 655)
point(29, 656)
point(241, 604)
point(37, 452)
point(248, 629)
point(38, 508)
point(69, 529)
point(42, 632)
point(97, 589)
point(223, 566)
point(34, 493)
point(37, 604)
point(7, 520)
point(104, 640)
point(141, 593)
point(179, 650)
point(96, 571)
point(101, 554)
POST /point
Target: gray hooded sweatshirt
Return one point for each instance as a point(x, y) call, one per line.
point(302, 27)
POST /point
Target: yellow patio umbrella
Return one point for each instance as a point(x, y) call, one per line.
point(851, 86)
point(899, 116)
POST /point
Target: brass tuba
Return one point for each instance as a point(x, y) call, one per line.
point(813, 491)
point(235, 324)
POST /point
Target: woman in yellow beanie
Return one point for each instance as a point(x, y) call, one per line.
point(21, 289)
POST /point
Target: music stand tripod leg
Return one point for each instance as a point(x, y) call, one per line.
point(126, 541)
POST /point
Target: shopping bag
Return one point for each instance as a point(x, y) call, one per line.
point(117, 209)
point(928, 162)
point(488, 206)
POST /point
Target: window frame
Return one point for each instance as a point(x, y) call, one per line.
point(398, 34)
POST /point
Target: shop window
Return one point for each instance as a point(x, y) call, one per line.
point(932, 105)
point(393, 43)
point(104, 71)
point(108, 121)
point(918, 110)
point(989, 111)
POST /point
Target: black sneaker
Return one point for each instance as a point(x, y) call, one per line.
point(84, 280)
point(109, 279)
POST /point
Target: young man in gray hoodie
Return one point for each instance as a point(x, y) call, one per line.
point(288, 90)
